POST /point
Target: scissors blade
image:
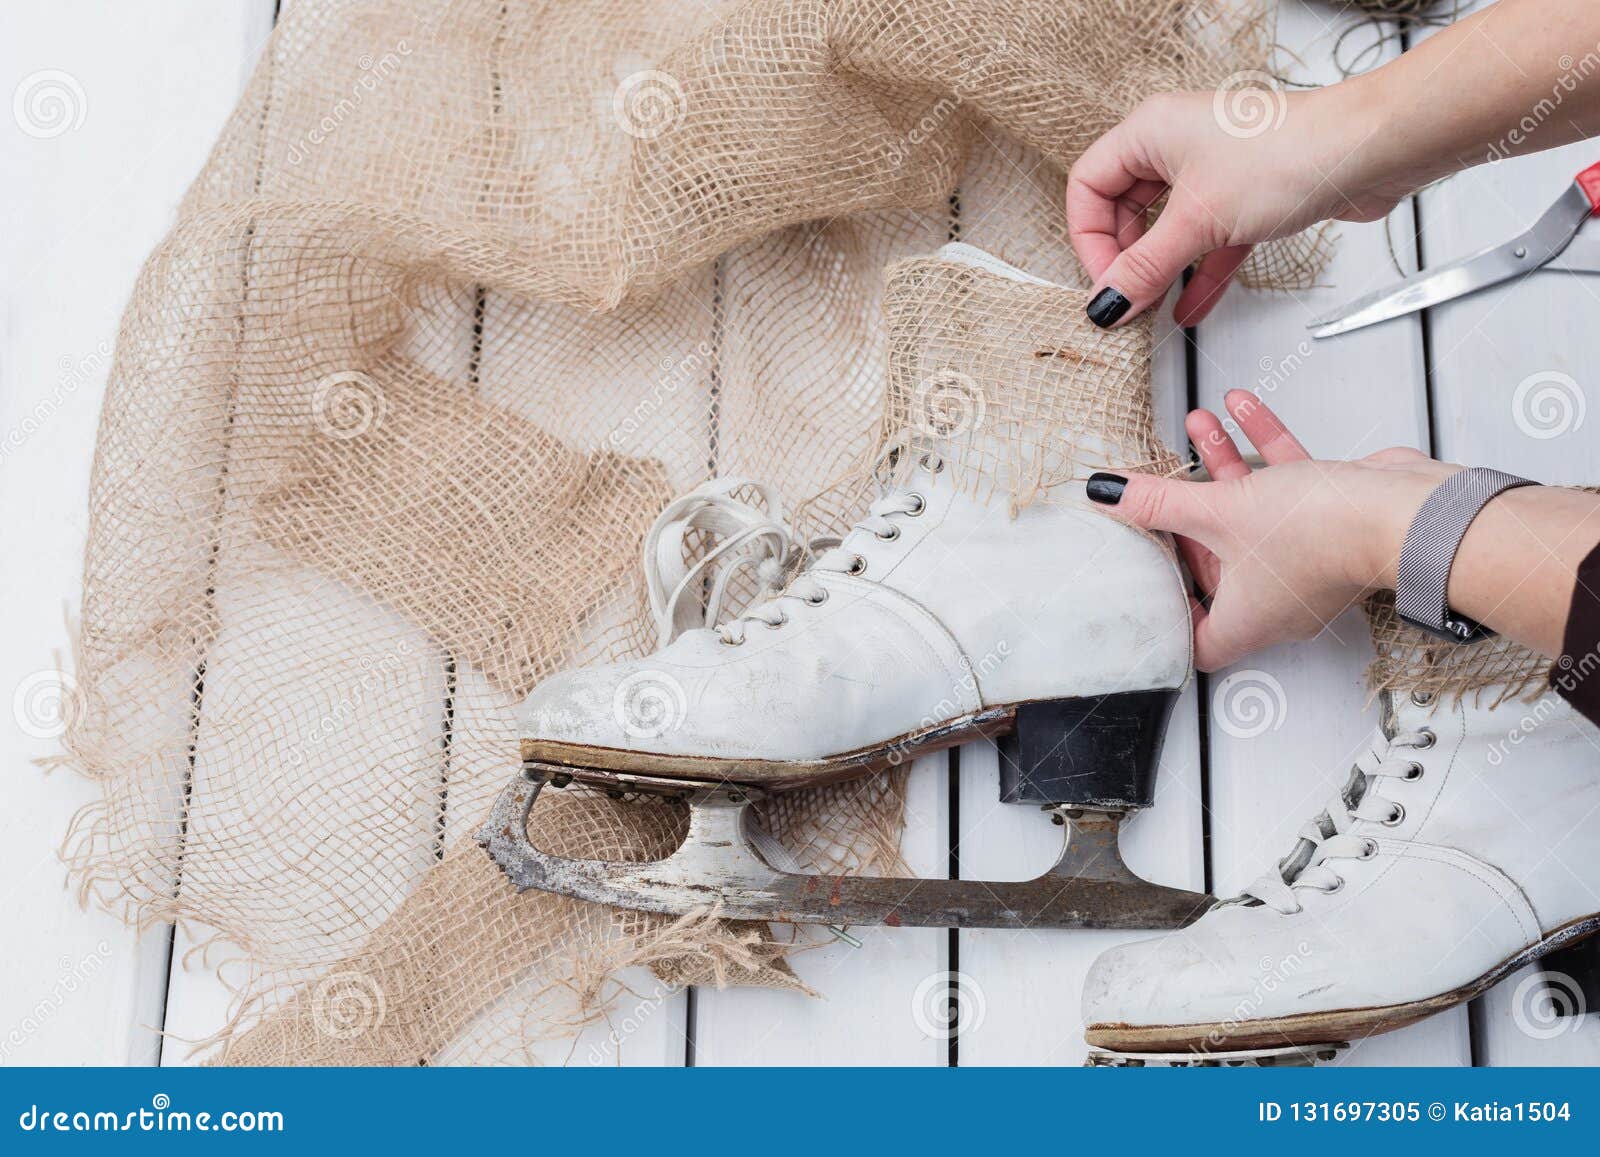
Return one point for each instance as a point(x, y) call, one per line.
point(1551, 234)
point(1582, 256)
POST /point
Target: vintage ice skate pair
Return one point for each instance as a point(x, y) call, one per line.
point(940, 617)
point(1464, 845)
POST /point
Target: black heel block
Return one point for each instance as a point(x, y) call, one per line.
point(1099, 751)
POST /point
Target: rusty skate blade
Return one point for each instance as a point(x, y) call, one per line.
point(718, 868)
point(1286, 1057)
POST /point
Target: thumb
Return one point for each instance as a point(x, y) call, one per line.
point(1155, 503)
point(1141, 274)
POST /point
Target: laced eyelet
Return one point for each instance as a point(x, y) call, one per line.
point(781, 622)
point(1369, 851)
point(1413, 773)
point(892, 534)
point(727, 642)
point(1396, 817)
point(817, 599)
point(919, 504)
point(1338, 886)
point(1422, 698)
point(858, 566)
point(1428, 739)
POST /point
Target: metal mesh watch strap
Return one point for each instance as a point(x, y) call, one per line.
point(1422, 577)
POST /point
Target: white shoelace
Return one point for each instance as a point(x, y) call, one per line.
point(805, 588)
point(750, 538)
point(1328, 837)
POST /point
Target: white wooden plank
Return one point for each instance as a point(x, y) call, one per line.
point(141, 93)
point(1344, 398)
point(1020, 989)
point(1515, 388)
point(880, 1004)
point(645, 1022)
point(361, 781)
point(865, 1014)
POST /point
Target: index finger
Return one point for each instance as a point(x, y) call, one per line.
point(1106, 179)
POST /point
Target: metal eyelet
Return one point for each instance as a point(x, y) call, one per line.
point(817, 599)
point(1369, 851)
point(1338, 886)
point(1396, 817)
point(727, 642)
point(921, 504)
point(780, 623)
point(1422, 698)
point(931, 465)
point(1413, 773)
point(893, 533)
point(858, 566)
point(1428, 738)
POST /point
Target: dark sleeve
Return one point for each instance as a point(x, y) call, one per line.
point(1576, 675)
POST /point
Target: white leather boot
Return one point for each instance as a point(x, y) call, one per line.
point(1465, 844)
point(980, 593)
point(934, 620)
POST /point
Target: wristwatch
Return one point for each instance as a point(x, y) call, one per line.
point(1423, 575)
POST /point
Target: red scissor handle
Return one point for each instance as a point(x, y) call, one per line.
point(1589, 182)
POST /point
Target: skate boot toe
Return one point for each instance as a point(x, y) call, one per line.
point(1163, 980)
point(622, 706)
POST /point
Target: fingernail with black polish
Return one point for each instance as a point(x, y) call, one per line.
point(1107, 308)
point(1106, 489)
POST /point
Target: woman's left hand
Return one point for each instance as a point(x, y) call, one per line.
point(1277, 553)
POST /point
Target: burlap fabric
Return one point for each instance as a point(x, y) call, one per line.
point(465, 293)
point(1415, 662)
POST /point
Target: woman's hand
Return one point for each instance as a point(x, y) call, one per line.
point(1279, 553)
point(1350, 151)
point(1226, 191)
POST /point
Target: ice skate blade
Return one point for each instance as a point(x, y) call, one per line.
point(1307, 1028)
point(1286, 1057)
point(717, 868)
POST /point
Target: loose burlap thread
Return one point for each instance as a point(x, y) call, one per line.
point(466, 291)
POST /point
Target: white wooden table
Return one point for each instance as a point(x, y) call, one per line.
point(146, 88)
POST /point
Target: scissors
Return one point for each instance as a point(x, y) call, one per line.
point(1552, 243)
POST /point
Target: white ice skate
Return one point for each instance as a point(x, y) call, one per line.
point(1464, 845)
point(939, 618)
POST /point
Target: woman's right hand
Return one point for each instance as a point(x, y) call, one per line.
point(1242, 166)
point(1229, 185)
